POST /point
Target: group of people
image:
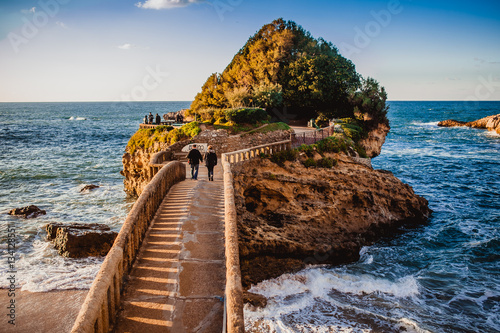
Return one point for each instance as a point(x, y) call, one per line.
point(152, 120)
point(194, 158)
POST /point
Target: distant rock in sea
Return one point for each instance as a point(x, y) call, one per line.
point(491, 123)
point(28, 212)
point(89, 187)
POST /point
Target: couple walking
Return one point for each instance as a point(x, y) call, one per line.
point(194, 158)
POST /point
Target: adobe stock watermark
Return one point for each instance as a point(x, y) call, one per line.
point(223, 6)
point(372, 29)
point(41, 16)
point(153, 78)
point(11, 274)
point(485, 89)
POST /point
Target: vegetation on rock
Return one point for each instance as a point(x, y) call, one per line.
point(282, 66)
point(145, 138)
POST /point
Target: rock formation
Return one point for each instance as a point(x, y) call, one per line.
point(27, 212)
point(491, 123)
point(80, 240)
point(375, 139)
point(89, 187)
point(293, 216)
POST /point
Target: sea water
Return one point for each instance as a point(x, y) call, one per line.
point(48, 153)
point(441, 277)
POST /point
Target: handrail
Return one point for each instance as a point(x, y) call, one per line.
point(98, 311)
point(234, 289)
point(249, 153)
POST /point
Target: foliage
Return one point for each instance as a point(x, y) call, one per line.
point(326, 162)
point(369, 103)
point(282, 65)
point(310, 162)
point(145, 138)
point(271, 128)
point(246, 115)
point(284, 155)
point(185, 132)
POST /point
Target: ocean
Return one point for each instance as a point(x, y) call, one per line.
point(441, 277)
point(48, 153)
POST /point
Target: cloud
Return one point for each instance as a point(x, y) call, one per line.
point(62, 24)
point(166, 4)
point(29, 11)
point(126, 46)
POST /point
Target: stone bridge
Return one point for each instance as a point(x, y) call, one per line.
point(174, 266)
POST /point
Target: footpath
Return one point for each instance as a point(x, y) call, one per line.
point(177, 283)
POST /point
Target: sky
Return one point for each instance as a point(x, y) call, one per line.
point(164, 50)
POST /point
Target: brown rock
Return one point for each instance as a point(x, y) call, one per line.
point(491, 123)
point(89, 187)
point(375, 139)
point(255, 300)
point(289, 217)
point(27, 212)
point(80, 240)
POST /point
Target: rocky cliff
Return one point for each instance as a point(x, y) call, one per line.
point(491, 123)
point(292, 216)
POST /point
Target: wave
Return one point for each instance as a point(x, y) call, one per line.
point(77, 118)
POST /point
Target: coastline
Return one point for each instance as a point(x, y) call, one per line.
point(52, 311)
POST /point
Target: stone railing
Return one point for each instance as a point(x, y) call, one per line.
point(98, 312)
point(157, 161)
point(234, 290)
point(249, 153)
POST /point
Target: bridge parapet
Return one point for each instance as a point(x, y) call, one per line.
point(103, 299)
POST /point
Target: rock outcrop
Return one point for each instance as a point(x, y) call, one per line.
point(28, 212)
point(292, 216)
point(491, 123)
point(375, 139)
point(80, 240)
point(89, 187)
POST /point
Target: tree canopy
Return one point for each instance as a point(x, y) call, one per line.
point(283, 66)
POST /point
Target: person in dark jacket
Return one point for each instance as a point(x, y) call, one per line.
point(194, 157)
point(158, 119)
point(210, 162)
point(150, 118)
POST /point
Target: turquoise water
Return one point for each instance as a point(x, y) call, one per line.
point(48, 152)
point(441, 277)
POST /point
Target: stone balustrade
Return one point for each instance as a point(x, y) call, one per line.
point(98, 312)
point(249, 153)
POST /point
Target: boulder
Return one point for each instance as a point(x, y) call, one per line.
point(89, 187)
point(491, 123)
point(27, 212)
point(255, 300)
point(77, 240)
point(291, 216)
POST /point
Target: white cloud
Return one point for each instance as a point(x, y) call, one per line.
point(29, 11)
point(62, 24)
point(166, 4)
point(126, 46)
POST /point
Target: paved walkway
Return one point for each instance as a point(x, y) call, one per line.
point(178, 281)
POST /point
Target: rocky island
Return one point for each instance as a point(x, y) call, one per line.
point(317, 204)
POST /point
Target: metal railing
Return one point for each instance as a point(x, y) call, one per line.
point(311, 137)
point(99, 309)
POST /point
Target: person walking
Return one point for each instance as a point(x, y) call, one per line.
point(194, 157)
point(210, 162)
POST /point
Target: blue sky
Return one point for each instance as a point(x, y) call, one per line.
point(163, 50)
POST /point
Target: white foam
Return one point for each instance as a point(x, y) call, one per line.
point(77, 118)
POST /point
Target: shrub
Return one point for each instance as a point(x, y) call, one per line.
point(285, 155)
point(310, 162)
point(246, 116)
point(326, 162)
